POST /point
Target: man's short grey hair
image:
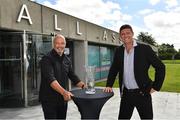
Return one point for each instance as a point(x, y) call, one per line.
point(58, 36)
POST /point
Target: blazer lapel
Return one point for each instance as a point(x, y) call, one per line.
point(121, 56)
point(137, 58)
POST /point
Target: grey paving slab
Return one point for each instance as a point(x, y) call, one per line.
point(166, 107)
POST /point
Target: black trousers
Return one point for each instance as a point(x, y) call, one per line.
point(54, 111)
point(139, 99)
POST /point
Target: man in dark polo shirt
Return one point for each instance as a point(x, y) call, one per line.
point(56, 69)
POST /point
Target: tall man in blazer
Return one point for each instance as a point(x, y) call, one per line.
point(132, 61)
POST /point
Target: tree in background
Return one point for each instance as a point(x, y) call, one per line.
point(177, 56)
point(145, 37)
point(167, 51)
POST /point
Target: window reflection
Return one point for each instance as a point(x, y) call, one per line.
point(37, 46)
point(10, 69)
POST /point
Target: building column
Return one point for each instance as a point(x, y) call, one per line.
point(80, 58)
point(26, 65)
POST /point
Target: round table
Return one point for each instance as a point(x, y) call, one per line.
point(90, 105)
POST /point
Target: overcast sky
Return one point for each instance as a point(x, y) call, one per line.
point(160, 18)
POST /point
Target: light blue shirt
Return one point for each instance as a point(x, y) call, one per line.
point(128, 75)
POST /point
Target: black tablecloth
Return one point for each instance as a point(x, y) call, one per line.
point(90, 105)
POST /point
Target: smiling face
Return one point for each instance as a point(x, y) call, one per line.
point(59, 44)
point(126, 36)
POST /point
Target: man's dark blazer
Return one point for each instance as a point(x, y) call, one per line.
point(144, 56)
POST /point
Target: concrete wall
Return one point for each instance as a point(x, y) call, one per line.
point(9, 14)
point(43, 21)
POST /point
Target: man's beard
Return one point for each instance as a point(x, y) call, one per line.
point(59, 51)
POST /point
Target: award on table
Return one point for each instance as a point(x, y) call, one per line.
point(90, 79)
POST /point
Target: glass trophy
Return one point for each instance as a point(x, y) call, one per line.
point(90, 79)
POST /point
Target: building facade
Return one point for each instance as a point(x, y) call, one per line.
point(26, 33)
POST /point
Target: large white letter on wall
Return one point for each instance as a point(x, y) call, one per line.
point(77, 29)
point(113, 37)
point(24, 13)
point(55, 23)
point(105, 35)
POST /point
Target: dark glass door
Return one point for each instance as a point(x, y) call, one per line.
point(11, 90)
point(37, 46)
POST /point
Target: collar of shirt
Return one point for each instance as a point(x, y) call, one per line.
point(134, 45)
point(57, 55)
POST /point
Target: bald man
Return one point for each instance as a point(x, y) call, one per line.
point(56, 68)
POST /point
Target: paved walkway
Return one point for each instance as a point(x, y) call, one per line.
point(166, 106)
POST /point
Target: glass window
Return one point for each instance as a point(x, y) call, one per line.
point(93, 59)
point(105, 56)
point(37, 46)
point(10, 69)
point(101, 57)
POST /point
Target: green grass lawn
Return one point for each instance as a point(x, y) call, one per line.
point(172, 79)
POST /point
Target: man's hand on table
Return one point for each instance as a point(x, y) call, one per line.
point(67, 95)
point(108, 89)
point(81, 85)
